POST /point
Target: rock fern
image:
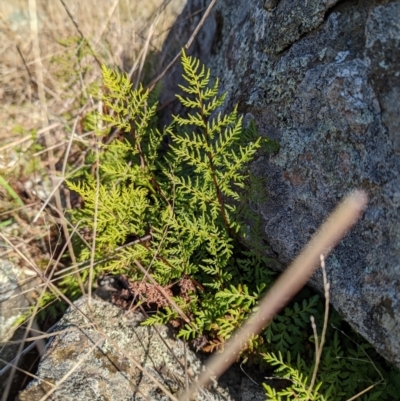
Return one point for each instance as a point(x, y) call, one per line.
point(184, 199)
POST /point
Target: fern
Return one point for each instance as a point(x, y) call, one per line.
point(184, 199)
point(341, 374)
point(299, 388)
point(290, 329)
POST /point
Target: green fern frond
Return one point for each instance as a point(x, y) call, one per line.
point(299, 387)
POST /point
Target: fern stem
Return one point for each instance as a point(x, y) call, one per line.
point(210, 159)
point(143, 164)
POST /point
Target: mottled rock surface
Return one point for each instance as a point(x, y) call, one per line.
point(109, 370)
point(321, 77)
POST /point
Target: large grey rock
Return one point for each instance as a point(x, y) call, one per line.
point(323, 79)
point(109, 371)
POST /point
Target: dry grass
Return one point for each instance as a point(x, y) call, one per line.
point(43, 102)
point(51, 53)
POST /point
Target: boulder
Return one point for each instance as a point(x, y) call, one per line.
point(101, 352)
point(322, 77)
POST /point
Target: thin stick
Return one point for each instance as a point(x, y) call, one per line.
point(96, 209)
point(143, 49)
point(146, 49)
point(186, 372)
point(319, 348)
point(115, 254)
point(68, 236)
point(42, 336)
point(54, 192)
point(76, 138)
point(363, 392)
point(327, 288)
point(289, 283)
point(29, 137)
point(103, 28)
point(18, 209)
point(316, 341)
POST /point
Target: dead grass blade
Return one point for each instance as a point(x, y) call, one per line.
point(96, 208)
point(319, 346)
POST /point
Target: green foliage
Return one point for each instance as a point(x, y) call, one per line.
point(182, 211)
point(299, 387)
point(289, 329)
point(348, 364)
point(183, 198)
